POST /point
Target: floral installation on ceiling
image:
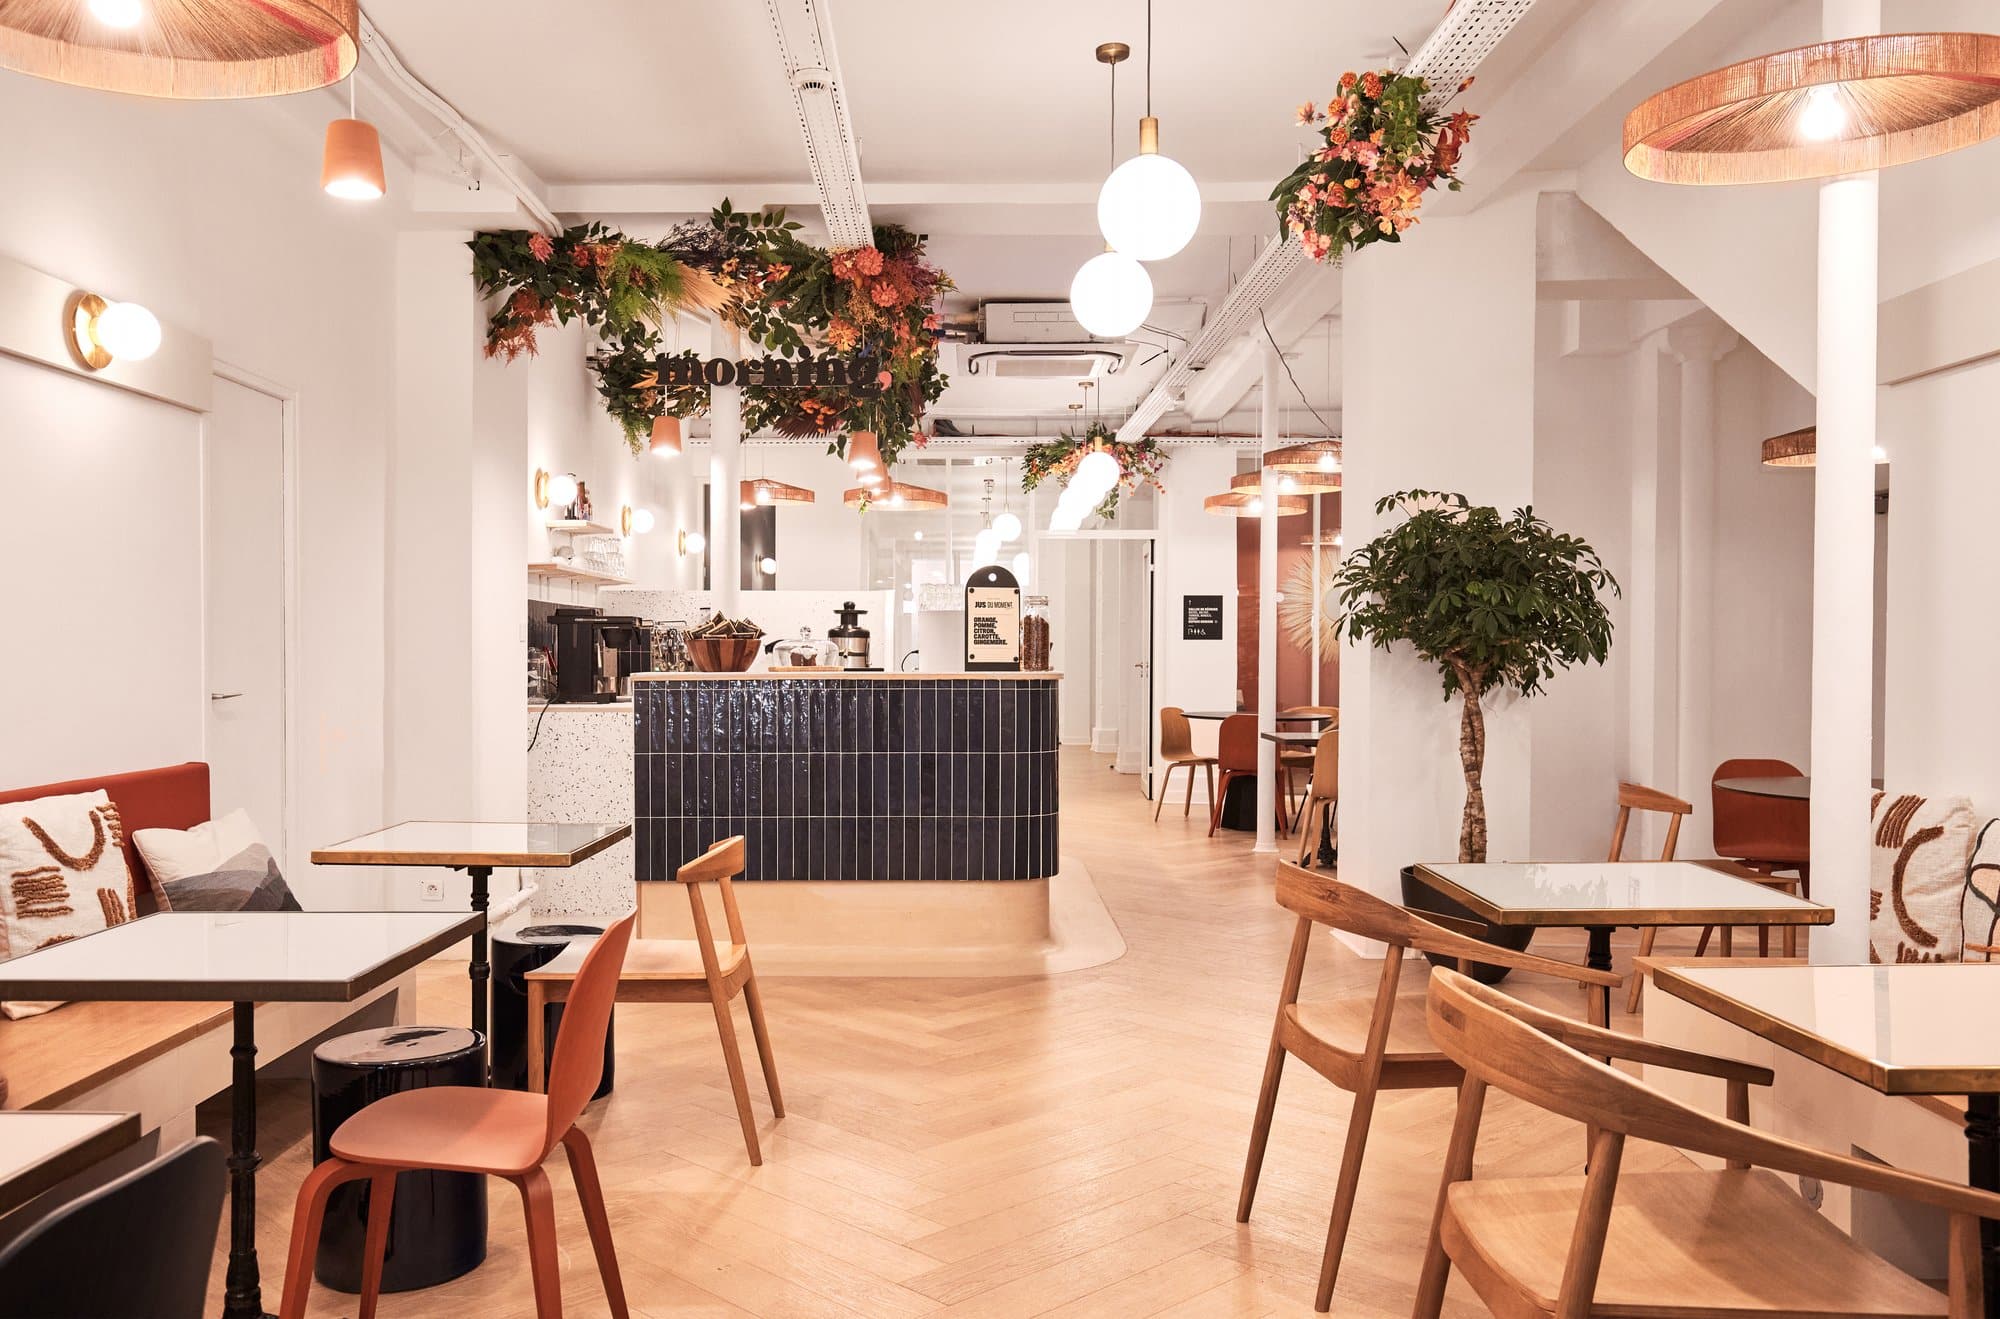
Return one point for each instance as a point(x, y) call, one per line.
point(1139, 462)
point(1382, 152)
point(755, 272)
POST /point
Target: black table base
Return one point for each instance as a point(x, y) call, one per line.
point(1598, 958)
point(242, 1296)
point(1982, 1153)
point(479, 970)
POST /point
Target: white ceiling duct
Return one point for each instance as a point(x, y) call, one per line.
point(1448, 56)
point(812, 70)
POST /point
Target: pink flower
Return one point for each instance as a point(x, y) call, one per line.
point(882, 379)
point(1306, 113)
point(541, 247)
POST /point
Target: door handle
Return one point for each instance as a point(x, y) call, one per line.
point(223, 696)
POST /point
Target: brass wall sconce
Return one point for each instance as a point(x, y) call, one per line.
point(558, 488)
point(100, 333)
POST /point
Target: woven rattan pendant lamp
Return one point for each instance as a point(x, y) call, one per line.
point(1836, 107)
point(189, 49)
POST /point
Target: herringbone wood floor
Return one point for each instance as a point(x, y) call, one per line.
point(1065, 1146)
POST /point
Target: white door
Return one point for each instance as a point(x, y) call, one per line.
point(243, 555)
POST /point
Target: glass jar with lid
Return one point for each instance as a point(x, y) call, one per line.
point(1035, 634)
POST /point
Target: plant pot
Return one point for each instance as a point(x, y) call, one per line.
point(723, 654)
point(1423, 899)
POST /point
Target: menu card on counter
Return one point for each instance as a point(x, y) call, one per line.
point(992, 622)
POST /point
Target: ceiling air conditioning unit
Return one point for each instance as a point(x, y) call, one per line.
point(1038, 341)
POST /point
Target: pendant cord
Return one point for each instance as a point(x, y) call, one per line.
point(1149, 59)
point(353, 96)
point(1114, 116)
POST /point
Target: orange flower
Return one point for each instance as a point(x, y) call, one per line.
point(1347, 82)
point(1371, 84)
point(1306, 113)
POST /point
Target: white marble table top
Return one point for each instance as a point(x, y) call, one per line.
point(1616, 893)
point(39, 1149)
point(238, 957)
point(474, 843)
point(1931, 1028)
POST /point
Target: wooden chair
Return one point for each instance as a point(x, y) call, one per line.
point(1361, 1046)
point(1177, 749)
point(1633, 797)
point(1322, 793)
point(1736, 1241)
point(1291, 763)
point(1236, 756)
point(683, 971)
point(501, 1133)
point(1766, 836)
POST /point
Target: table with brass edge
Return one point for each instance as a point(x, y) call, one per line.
point(40, 1148)
point(1600, 896)
point(1910, 1029)
point(1281, 718)
point(476, 847)
point(240, 958)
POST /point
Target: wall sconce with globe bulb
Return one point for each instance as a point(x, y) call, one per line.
point(691, 542)
point(558, 488)
point(635, 521)
point(100, 332)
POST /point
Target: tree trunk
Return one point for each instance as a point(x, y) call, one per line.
point(1471, 759)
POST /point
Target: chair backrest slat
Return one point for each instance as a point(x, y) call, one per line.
point(1236, 744)
point(578, 1064)
point(1637, 797)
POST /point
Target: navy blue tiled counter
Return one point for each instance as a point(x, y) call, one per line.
point(861, 777)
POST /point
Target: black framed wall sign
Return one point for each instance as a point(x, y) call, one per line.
point(992, 622)
point(1201, 618)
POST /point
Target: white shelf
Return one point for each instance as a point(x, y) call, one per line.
point(567, 573)
point(570, 527)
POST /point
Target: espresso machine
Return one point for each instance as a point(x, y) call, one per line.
point(597, 655)
point(850, 639)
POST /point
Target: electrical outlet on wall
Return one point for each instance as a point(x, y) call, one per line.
point(431, 890)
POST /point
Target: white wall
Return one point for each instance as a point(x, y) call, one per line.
point(1197, 556)
point(206, 212)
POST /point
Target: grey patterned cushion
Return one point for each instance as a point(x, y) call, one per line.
point(248, 881)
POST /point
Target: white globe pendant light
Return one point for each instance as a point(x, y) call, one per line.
point(1111, 295)
point(1149, 208)
point(1007, 527)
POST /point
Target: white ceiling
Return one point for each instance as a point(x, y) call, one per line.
point(985, 126)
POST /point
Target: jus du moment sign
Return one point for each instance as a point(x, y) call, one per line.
point(861, 376)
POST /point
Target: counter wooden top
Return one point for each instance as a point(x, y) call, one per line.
point(841, 673)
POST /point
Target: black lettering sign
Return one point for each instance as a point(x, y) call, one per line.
point(1201, 618)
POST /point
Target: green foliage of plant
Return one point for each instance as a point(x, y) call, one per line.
point(1493, 601)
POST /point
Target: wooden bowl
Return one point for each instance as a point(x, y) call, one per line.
point(723, 654)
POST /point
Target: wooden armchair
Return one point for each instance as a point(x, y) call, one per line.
point(1364, 1046)
point(693, 970)
point(1635, 797)
point(1735, 1242)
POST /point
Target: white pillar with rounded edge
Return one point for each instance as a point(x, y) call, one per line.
point(1844, 540)
point(725, 472)
point(1698, 345)
point(1316, 590)
point(1267, 610)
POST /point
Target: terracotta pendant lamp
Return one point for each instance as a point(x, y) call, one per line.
point(864, 451)
point(1799, 448)
point(1316, 457)
point(188, 49)
point(351, 164)
point(1836, 107)
point(666, 441)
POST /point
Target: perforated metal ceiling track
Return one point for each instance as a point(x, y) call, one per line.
point(1450, 55)
point(812, 70)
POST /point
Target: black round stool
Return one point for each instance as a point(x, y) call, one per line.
point(515, 953)
point(437, 1229)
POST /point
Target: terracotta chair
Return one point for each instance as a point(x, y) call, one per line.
point(1766, 835)
point(1236, 756)
point(1322, 793)
point(1633, 797)
point(501, 1133)
point(683, 971)
point(1359, 1045)
point(1177, 749)
point(1735, 1241)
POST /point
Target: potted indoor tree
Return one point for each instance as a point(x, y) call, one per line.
point(1496, 603)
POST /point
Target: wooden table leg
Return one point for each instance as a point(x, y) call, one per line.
point(538, 1012)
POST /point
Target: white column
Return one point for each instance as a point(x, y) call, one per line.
point(1652, 582)
point(1316, 589)
point(1267, 612)
point(725, 471)
point(1698, 345)
point(1844, 541)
